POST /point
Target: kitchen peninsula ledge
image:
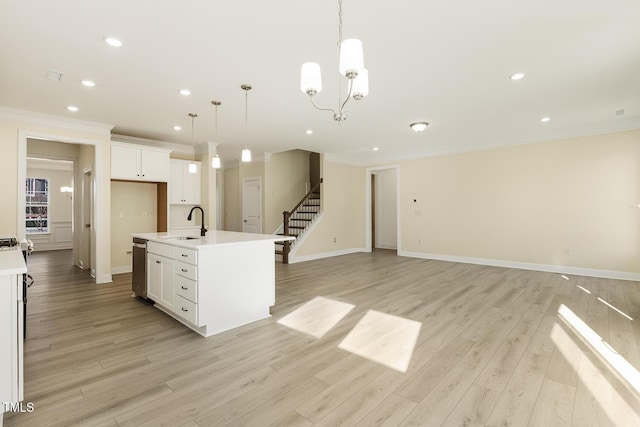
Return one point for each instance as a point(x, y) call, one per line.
point(213, 283)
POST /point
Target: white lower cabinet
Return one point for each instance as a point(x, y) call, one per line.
point(172, 279)
point(161, 280)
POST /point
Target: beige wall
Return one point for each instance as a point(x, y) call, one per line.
point(343, 204)
point(231, 205)
point(568, 202)
point(286, 179)
point(133, 210)
point(17, 126)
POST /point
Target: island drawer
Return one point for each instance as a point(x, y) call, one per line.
point(160, 249)
point(186, 288)
point(186, 309)
point(187, 270)
point(187, 255)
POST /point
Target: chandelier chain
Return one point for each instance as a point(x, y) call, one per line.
point(340, 22)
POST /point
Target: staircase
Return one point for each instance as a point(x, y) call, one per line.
point(298, 219)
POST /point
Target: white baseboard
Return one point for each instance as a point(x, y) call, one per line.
point(562, 269)
point(296, 259)
point(121, 270)
point(105, 278)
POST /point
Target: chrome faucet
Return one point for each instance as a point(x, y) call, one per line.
point(203, 229)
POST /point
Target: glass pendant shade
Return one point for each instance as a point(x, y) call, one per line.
point(193, 168)
point(351, 57)
point(360, 87)
point(215, 162)
point(246, 155)
point(310, 78)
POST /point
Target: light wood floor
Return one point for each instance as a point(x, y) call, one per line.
point(492, 350)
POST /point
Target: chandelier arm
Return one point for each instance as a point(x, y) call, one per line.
point(348, 96)
point(321, 109)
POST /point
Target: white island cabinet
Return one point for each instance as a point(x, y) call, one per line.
point(12, 266)
point(213, 283)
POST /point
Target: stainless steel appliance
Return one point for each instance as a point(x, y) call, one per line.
point(139, 275)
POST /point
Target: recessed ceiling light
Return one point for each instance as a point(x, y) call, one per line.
point(375, 149)
point(545, 119)
point(309, 132)
point(112, 41)
point(517, 76)
point(72, 108)
point(176, 127)
point(88, 83)
point(185, 92)
point(419, 126)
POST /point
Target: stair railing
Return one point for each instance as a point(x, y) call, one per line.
point(287, 215)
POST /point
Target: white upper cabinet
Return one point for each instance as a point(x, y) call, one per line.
point(139, 163)
point(184, 187)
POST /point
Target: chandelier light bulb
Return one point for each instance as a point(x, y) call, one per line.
point(360, 84)
point(310, 78)
point(351, 58)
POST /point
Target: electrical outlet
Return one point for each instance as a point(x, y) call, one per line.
point(145, 214)
point(567, 252)
point(335, 240)
point(121, 215)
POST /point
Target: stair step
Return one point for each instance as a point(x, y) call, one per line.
point(279, 252)
point(300, 219)
point(297, 227)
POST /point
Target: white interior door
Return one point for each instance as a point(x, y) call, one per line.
point(251, 205)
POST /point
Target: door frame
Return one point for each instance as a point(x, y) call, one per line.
point(368, 201)
point(87, 217)
point(100, 243)
point(244, 181)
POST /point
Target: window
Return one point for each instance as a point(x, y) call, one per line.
point(37, 205)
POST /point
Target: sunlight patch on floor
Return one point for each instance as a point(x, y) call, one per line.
point(601, 348)
point(597, 382)
point(383, 338)
point(317, 316)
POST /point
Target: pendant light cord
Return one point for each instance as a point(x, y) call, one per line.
point(193, 116)
point(246, 108)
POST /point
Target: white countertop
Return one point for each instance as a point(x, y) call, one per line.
point(213, 238)
point(12, 262)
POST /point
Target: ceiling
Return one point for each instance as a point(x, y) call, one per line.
point(448, 63)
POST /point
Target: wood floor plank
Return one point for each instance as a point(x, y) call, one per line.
point(492, 350)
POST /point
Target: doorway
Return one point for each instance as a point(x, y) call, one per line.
point(252, 205)
point(382, 205)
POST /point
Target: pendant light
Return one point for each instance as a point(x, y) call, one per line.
point(246, 153)
point(215, 161)
point(193, 168)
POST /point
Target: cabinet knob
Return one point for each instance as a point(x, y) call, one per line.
point(183, 270)
point(157, 262)
point(185, 255)
point(186, 289)
point(183, 309)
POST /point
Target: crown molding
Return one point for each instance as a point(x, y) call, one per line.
point(50, 121)
point(175, 148)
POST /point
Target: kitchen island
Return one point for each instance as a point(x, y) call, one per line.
point(214, 283)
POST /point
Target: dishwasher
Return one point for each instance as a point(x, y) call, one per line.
point(139, 274)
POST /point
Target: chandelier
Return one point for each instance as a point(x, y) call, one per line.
point(351, 66)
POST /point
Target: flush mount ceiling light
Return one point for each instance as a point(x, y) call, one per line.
point(517, 76)
point(193, 168)
point(112, 41)
point(376, 149)
point(177, 128)
point(185, 92)
point(419, 126)
point(351, 66)
point(246, 153)
point(308, 131)
point(215, 161)
point(72, 108)
point(88, 83)
point(545, 119)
